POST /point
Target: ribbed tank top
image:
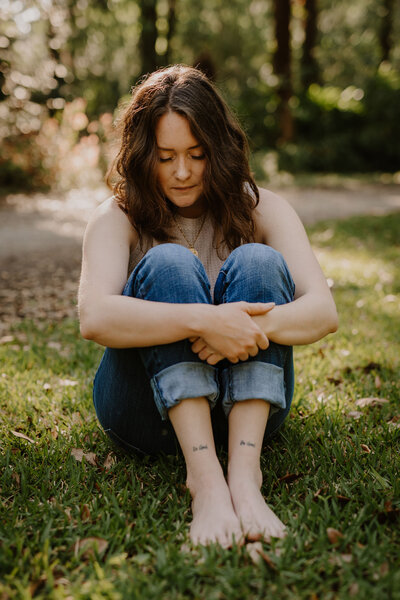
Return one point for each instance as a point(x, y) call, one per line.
point(205, 245)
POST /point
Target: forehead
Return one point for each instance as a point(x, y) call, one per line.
point(173, 132)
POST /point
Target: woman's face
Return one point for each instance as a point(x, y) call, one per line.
point(181, 164)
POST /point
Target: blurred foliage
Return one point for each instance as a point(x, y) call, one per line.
point(65, 64)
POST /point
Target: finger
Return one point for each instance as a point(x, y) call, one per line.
point(262, 341)
point(254, 351)
point(243, 356)
point(214, 359)
point(198, 346)
point(204, 354)
point(193, 339)
point(258, 308)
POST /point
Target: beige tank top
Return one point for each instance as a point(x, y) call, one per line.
point(204, 244)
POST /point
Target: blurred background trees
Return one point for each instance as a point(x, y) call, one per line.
point(315, 83)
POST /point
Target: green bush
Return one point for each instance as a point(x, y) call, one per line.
point(347, 130)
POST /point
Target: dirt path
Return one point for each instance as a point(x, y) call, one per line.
point(41, 237)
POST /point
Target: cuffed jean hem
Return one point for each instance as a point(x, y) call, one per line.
point(184, 380)
point(255, 379)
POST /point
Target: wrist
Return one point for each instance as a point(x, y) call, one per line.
point(198, 319)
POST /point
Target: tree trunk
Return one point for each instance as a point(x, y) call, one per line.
point(309, 66)
point(148, 36)
point(385, 34)
point(281, 64)
point(171, 28)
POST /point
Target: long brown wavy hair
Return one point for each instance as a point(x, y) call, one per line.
point(229, 188)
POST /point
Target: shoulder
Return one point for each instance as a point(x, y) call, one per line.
point(274, 217)
point(109, 218)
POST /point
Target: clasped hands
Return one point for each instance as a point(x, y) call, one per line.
point(230, 332)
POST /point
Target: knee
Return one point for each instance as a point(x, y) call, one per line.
point(171, 273)
point(262, 267)
point(259, 258)
point(166, 259)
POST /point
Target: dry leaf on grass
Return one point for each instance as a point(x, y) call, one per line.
point(6, 339)
point(89, 545)
point(258, 555)
point(23, 436)
point(354, 414)
point(334, 535)
point(109, 461)
point(363, 402)
point(366, 448)
point(79, 454)
point(85, 513)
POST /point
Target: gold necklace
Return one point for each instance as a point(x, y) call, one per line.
point(191, 244)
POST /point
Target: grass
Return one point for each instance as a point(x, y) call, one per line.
point(334, 465)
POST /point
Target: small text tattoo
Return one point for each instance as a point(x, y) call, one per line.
point(243, 443)
point(200, 447)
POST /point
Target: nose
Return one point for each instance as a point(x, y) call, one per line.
point(182, 171)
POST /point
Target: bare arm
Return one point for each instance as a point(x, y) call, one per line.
point(312, 314)
point(106, 316)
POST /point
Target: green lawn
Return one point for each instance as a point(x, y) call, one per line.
point(335, 464)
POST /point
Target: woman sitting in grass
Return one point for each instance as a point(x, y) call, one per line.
point(198, 283)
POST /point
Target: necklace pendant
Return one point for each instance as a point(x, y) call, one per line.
point(194, 251)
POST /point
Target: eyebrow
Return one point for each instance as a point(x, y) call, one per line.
point(173, 149)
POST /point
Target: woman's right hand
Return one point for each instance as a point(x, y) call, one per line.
point(230, 332)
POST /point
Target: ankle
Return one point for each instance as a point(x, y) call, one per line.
point(205, 476)
point(244, 472)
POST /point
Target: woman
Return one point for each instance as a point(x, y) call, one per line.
point(221, 283)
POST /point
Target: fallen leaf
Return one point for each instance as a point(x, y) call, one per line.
point(363, 402)
point(334, 535)
point(378, 382)
point(365, 448)
point(6, 339)
point(67, 382)
point(23, 436)
point(346, 558)
point(79, 454)
point(85, 513)
point(257, 555)
point(109, 461)
point(354, 414)
point(89, 545)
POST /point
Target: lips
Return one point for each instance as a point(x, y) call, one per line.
point(184, 189)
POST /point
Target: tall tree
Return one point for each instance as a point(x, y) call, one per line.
point(385, 34)
point(309, 65)
point(171, 28)
point(282, 68)
point(148, 36)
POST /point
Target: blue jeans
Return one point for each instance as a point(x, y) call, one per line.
point(135, 387)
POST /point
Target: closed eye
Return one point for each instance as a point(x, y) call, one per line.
point(199, 157)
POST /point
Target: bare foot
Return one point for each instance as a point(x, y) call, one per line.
point(256, 518)
point(214, 519)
